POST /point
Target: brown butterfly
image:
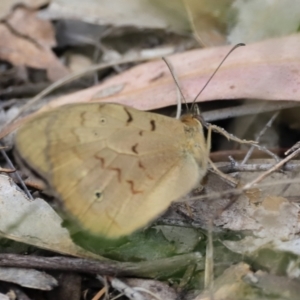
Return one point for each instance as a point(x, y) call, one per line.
point(113, 167)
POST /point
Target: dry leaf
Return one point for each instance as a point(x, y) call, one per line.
point(26, 23)
point(258, 20)
point(275, 286)
point(18, 221)
point(28, 278)
point(29, 50)
point(137, 13)
point(6, 6)
point(4, 297)
point(229, 285)
point(159, 289)
point(266, 70)
point(266, 215)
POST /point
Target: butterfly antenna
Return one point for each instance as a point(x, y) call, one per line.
point(216, 70)
point(178, 87)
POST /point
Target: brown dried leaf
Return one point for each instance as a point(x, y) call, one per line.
point(266, 70)
point(22, 51)
point(26, 23)
point(18, 222)
point(7, 5)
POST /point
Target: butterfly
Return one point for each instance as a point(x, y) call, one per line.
point(114, 168)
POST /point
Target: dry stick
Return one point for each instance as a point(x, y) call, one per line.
point(236, 167)
point(227, 178)
point(292, 149)
point(100, 293)
point(222, 155)
point(246, 109)
point(261, 133)
point(142, 269)
point(269, 124)
point(5, 170)
point(17, 174)
point(274, 168)
point(104, 281)
point(218, 195)
point(209, 260)
point(261, 177)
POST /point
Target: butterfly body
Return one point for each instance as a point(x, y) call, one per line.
point(114, 168)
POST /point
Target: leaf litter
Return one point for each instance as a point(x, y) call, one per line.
point(251, 231)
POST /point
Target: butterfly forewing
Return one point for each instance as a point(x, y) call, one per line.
point(114, 168)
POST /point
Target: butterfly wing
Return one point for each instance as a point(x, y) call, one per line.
point(114, 168)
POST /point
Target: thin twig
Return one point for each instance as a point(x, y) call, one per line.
point(293, 148)
point(209, 259)
point(239, 191)
point(247, 109)
point(274, 168)
point(261, 133)
point(20, 180)
point(234, 166)
point(150, 269)
point(222, 155)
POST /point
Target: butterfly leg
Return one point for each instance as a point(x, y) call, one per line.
point(228, 135)
point(226, 177)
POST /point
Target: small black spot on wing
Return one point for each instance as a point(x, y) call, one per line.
point(95, 132)
point(102, 120)
point(98, 196)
